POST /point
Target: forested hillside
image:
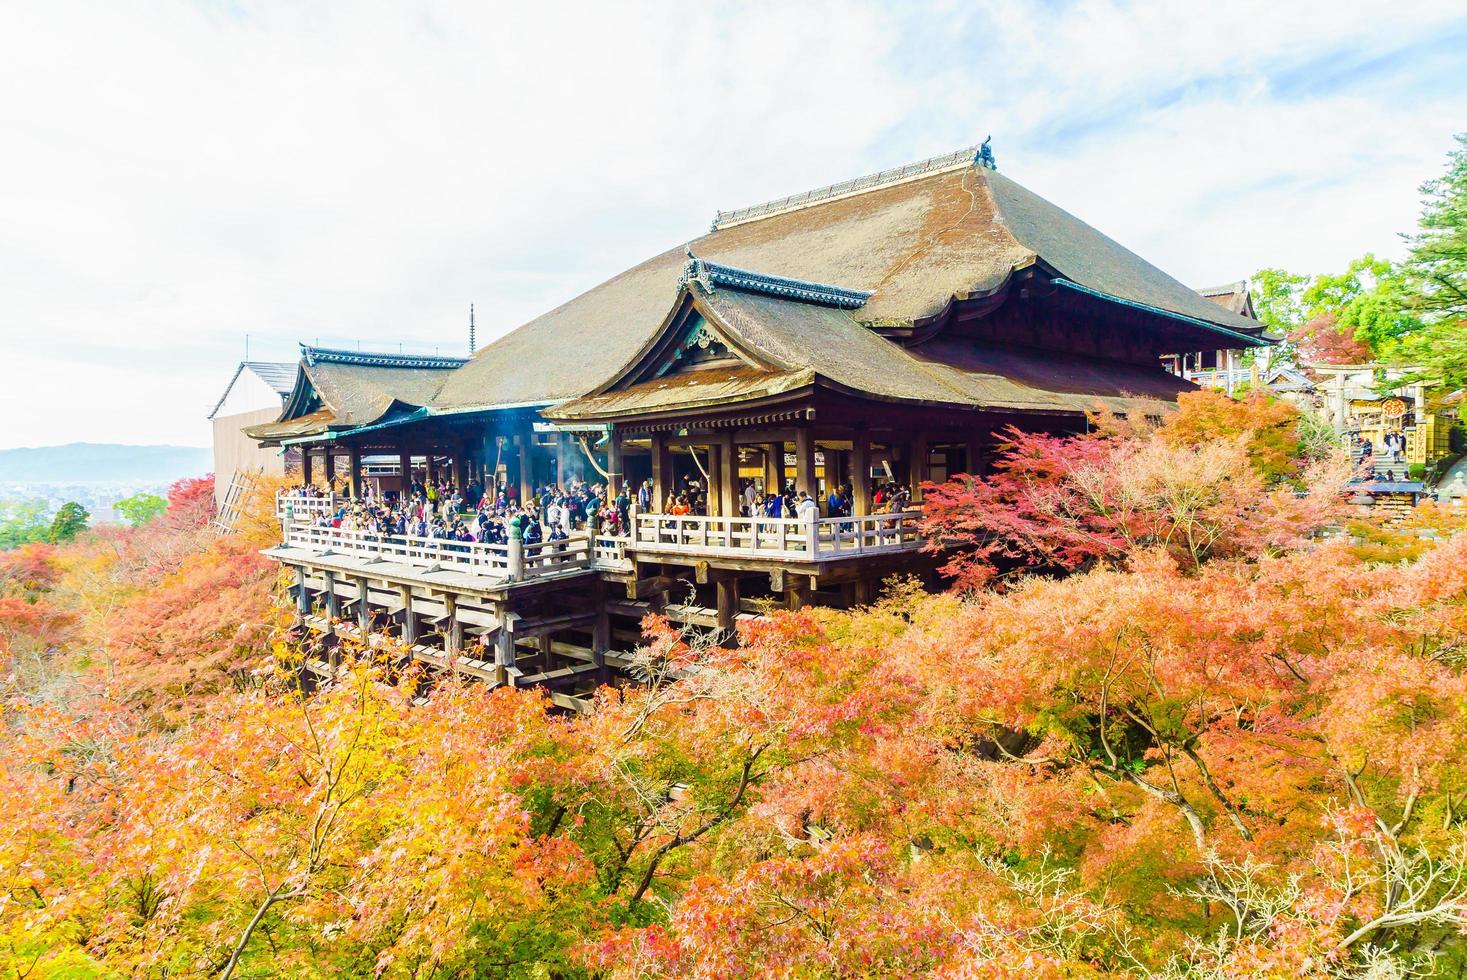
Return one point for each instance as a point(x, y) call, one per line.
point(1161, 726)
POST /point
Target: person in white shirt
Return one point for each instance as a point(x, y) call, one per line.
point(806, 508)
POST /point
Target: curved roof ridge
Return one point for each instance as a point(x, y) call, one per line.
point(955, 160)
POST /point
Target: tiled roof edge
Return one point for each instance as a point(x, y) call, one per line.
point(712, 275)
point(326, 355)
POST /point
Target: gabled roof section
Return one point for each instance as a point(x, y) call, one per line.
point(278, 376)
point(345, 389)
point(914, 242)
point(1235, 297)
point(785, 347)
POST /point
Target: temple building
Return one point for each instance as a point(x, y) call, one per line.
point(885, 329)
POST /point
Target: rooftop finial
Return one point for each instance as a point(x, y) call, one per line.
point(471, 328)
point(693, 269)
point(985, 154)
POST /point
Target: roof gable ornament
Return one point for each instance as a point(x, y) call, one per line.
point(711, 275)
point(984, 156)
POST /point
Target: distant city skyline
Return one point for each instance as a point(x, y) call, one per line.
point(180, 175)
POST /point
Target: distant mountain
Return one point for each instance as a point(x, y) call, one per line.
point(80, 462)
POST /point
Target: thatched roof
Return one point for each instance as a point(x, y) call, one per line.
point(336, 389)
point(789, 344)
point(914, 244)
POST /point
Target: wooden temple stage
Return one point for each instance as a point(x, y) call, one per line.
point(553, 614)
point(884, 330)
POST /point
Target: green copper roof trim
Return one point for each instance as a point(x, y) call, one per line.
point(1243, 338)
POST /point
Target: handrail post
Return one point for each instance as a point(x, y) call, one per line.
point(812, 534)
point(516, 559)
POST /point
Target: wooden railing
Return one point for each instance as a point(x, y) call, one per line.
point(815, 539)
point(512, 562)
point(293, 503)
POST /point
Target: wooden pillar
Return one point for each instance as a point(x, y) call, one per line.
point(333, 607)
point(716, 470)
point(860, 472)
point(805, 462)
point(728, 602)
point(524, 442)
point(546, 643)
point(728, 489)
point(504, 643)
point(460, 467)
point(430, 467)
point(302, 594)
point(774, 467)
point(354, 478)
point(797, 593)
point(364, 608)
point(865, 591)
point(306, 466)
point(919, 463)
point(661, 472)
point(973, 465)
point(409, 618)
point(615, 475)
point(330, 468)
point(600, 630)
point(405, 467)
point(562, 458)
point(453, 632)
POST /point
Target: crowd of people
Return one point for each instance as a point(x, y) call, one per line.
point(439, 509)
point(1393, 451)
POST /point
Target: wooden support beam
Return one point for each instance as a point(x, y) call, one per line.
point(661, 472)
point(919, 466)
point(330, 467)
point(504, 657)
point(773, 467)
point(453, 631)
point(364, 606)
point(333, 605)
point(302, 594)
point(524, 463)
point(797, 593)
point(716, 470)
point(460, 467)
point(616, 475)
point(805, 462)
point(306, 465)
point(973, 465)
point(728, 485)
point(861, 472)
point(405, 468)
point(600, 631)
point(408, 617)
point(354, 477)
point(728, 601)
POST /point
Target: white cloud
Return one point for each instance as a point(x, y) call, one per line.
point(175, 175)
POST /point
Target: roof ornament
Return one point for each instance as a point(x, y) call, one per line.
point(984, 156)
point(695, 270)
point(471, 328)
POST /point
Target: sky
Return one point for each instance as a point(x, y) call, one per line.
point(176, 177)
